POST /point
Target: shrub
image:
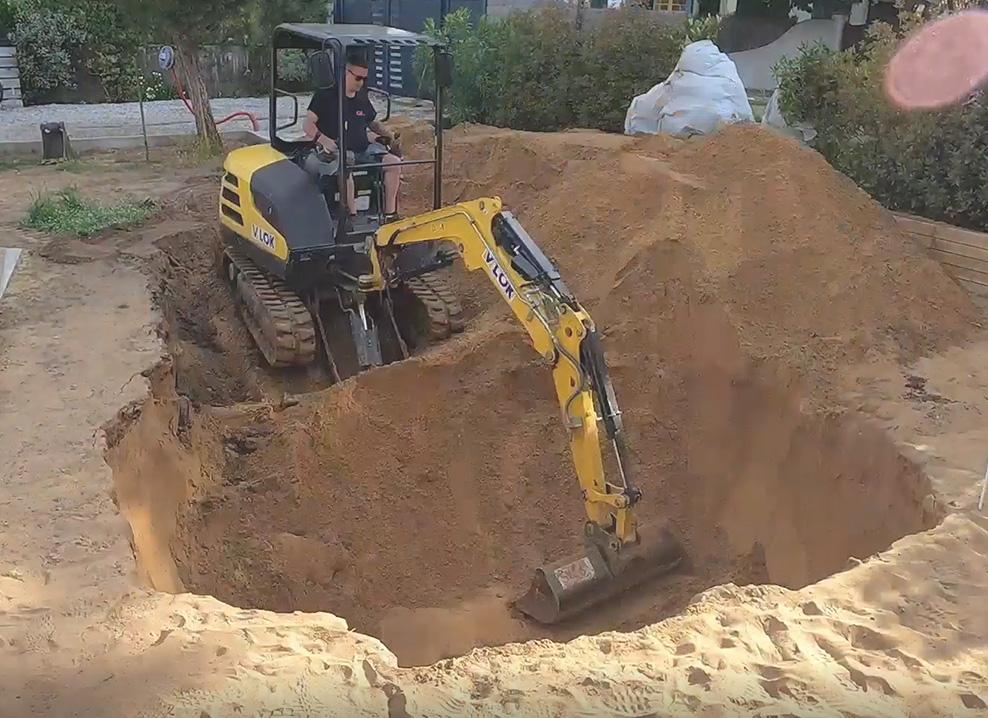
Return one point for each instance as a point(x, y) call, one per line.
point(932, 164)
point(54, 38)
point(46, 40)
point(155, 88)
point(112, 49)
point(7, 19)
point(476, 74)
point(537, 70)
point(259, 21)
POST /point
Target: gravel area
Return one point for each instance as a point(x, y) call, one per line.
point(162, 117)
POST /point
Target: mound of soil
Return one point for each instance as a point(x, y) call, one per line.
point(736, 280)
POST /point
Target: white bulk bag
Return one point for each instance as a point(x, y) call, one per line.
point(703, 91)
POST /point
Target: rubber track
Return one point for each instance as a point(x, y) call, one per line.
point(453, 307)
point(289, 337)
point(445, 315)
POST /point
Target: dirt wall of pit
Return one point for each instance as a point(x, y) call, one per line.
point(737, 281)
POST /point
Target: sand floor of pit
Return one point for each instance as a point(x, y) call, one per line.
point(905, 632)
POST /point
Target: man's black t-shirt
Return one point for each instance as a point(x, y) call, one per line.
point(357, 113)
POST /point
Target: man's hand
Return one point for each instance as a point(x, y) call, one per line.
point(327, 143)
point(382, 137)
point(394, 144)
point(379, 133)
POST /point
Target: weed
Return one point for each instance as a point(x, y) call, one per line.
point(67, 212)
point(195, 152)
point(76, 165)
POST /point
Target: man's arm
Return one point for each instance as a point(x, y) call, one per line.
point(376, 129)
point(311, 130)
point(311, 126)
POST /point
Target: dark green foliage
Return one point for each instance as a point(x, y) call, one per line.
point(56, 40)
point(537, 70)
point(7, 19)
point(933, 164)
point(261, 18)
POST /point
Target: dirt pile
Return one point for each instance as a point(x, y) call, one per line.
point(734, 279)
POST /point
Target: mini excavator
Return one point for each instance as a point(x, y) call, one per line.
point(291, 258)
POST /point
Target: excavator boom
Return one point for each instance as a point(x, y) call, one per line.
point(618, 553)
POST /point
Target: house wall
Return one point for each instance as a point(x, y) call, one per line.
point(755, 66)
point(503, 8)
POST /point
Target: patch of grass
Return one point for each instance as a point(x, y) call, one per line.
point(758, 108)
point(68, 212)
point(10, 165)
point(76, 165)
point(193, 152)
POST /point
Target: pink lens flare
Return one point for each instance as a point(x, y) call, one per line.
point(942, 64)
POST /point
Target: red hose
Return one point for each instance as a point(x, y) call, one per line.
point(181, 93)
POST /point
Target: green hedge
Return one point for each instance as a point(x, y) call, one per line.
point(7, 19)
point(55, 39)
point(537, 70)
point(933, 164)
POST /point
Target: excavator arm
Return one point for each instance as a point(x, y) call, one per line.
point(492, 240)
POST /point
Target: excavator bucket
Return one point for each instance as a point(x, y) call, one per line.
point(568, 587)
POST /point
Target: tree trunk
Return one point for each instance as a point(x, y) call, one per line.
point(187, 59)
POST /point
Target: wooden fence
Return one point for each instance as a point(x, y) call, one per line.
point(963, 253)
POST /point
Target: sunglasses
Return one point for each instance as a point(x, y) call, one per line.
point(358, 78)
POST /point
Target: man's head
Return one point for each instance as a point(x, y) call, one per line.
point(356, 72)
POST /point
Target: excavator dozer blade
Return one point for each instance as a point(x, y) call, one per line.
point(568, 587)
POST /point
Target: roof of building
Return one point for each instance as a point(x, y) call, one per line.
point(356, 35)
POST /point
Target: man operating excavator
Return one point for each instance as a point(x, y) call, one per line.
point(366, 138)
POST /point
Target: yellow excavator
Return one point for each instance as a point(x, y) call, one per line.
point(287, 245)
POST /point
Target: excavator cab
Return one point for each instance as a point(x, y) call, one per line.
point(326, 48)
point(297, 263)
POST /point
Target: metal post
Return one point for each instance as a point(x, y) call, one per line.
point(341, 168)
point(273, 99)
point(141, 98)
point(437, 180)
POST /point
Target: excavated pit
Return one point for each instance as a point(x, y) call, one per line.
point(737, 281)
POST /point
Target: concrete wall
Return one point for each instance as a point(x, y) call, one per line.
point(503, 8)
point(748, 33)
point(669, 17)
point(10, 78)
point(755, 66)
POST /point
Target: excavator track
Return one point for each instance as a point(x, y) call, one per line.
point(444, 313)
point(276, 317)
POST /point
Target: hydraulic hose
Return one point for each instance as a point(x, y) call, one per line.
point(181, 93)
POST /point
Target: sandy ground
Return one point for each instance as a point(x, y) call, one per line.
point(904, 633)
